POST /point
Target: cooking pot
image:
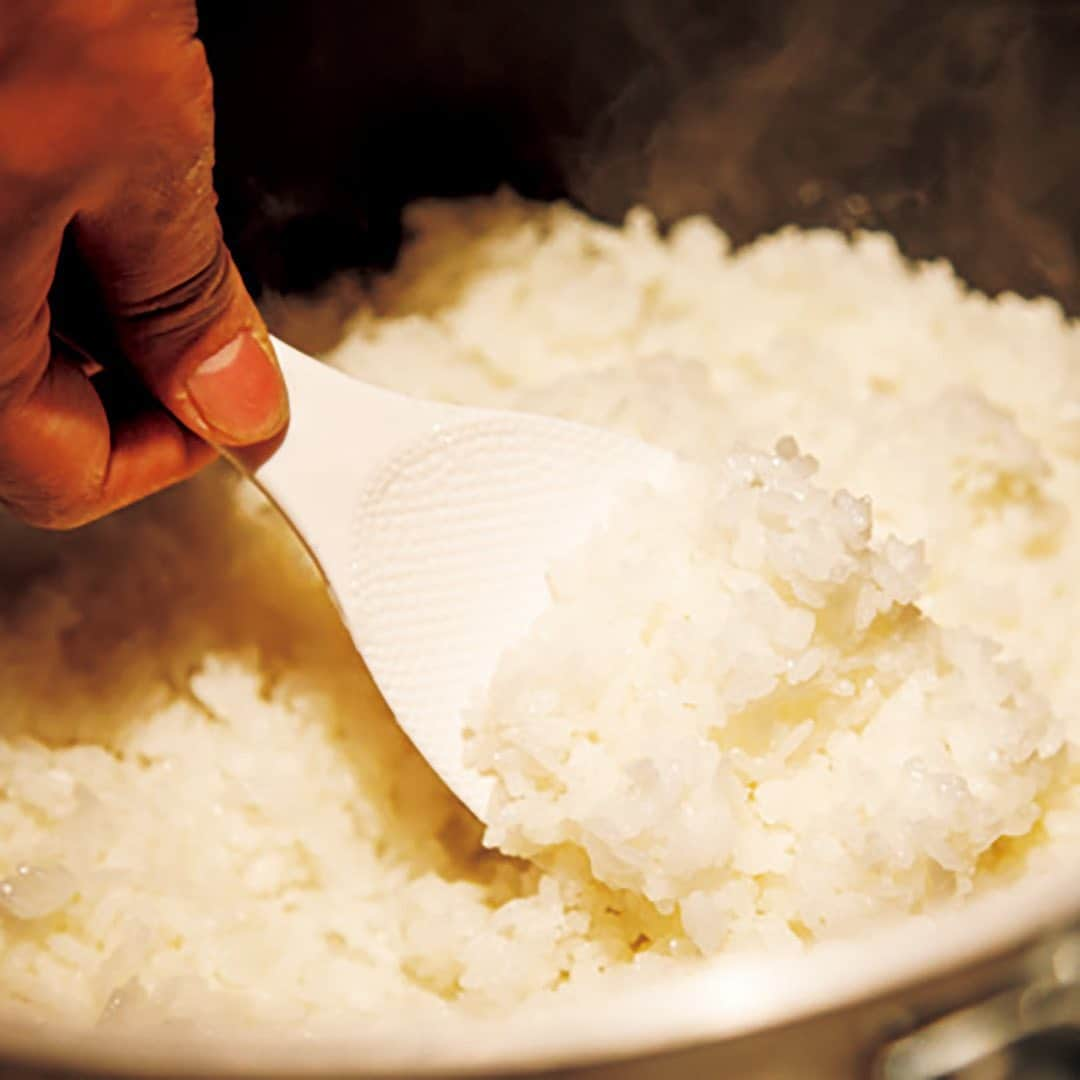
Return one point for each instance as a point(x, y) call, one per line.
point(953, 126)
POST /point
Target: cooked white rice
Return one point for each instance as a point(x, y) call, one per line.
point(735, 709)
point(205, 809)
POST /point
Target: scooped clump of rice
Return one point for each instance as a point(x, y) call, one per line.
point(734, 706)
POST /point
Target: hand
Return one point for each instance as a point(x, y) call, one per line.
point(106, 149)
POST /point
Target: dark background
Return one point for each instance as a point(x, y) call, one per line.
point(955, 125)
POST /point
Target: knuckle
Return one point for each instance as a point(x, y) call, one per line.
point(186, 306)
point(52, 518)
point(23, 362)
point(56, 504)
point(44, 509)
point(50, 475)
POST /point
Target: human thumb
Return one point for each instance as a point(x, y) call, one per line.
point(196, 341)
point(153, 242)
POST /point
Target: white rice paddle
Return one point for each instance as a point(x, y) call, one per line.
point(435, 526)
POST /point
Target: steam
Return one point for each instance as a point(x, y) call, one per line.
point(955, 126)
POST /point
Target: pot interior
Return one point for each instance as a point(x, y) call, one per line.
point(951, 126)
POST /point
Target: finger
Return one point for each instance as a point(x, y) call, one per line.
point(181, 313)
point(66, 458)
point(198, 342)
point(150, 449)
